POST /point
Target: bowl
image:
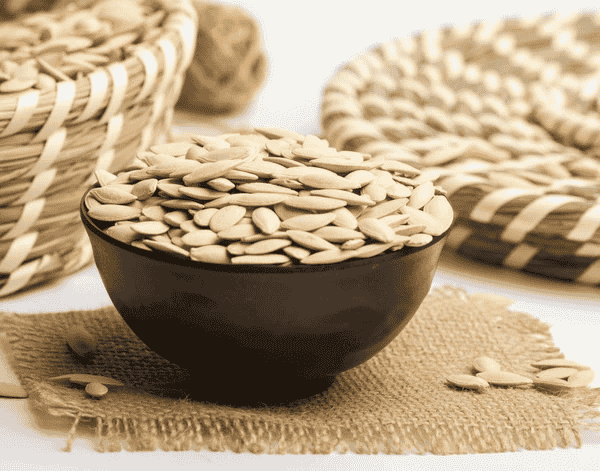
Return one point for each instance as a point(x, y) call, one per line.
point(255, 334)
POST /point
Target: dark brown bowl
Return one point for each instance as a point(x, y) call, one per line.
point(263, 334)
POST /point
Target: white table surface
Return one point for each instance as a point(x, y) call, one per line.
point(306, 42)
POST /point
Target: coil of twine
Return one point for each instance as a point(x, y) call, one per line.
point(229, 64)
point(83, 87)
point(503, 115)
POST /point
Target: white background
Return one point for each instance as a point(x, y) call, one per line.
point(306, 42)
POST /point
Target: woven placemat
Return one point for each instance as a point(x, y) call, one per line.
point(397, 402)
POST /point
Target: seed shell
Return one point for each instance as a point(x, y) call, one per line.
point(582, 378)
point(483, 363)
point(14, 391)
point(96, 390)
point(558, 373)
point(267, 259)
point(114, 212)
point(210, 254)
point(226, 217)
point(308, 222)
point(81, 342)
point(309, 240)
point(377, 230)
point(504, 378)
point(317, 203)
point(558, 363)
point(338, 235)
point(267, 246)
point(553, 385)
point(335, 255)
point(465, 381)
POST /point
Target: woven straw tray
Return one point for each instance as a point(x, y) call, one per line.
point(109, 100)
point(503, 115)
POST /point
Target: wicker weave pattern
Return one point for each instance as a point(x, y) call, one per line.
point(52, 142)
point(503, 116)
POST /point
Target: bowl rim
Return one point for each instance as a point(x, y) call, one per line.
point(248, 268)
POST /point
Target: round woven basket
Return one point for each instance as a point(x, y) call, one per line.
point(503, 116)
point(105, 102)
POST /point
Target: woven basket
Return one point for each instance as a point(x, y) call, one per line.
point(504, 117)
point(52, 141)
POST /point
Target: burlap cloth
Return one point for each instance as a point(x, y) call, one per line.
point(397, 402)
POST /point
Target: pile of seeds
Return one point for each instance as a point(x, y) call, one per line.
point(557, 375)
point(38, 50)
point(270, 197)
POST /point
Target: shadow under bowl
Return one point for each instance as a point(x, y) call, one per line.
point(250, 334)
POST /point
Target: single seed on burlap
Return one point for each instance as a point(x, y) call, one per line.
point(374, 191)
point(419, 240)
point(114, 212)
point(210, 254)
point(483, 363)
point(200, 237)
point(384, 208)
point(226, 217)
point(266, 259)
point(421, 195)
point(13, 391)
point(308, 222)
point(352, 244)
point(262, 187)
point(553, 385)
point(582, 378)
point(504, 378)
point(558, 363)
point(112, 195)
point(122, 233)
point(202, 217)
point(297, 252)
point(96, 390)
point(317, 203)
point(237, 232)
point(168, 247)
point(309, 240)
point(84, 379)
point(338, 235)
point(335, 255)
point(81, 342)
point(175, 218)
point(465, 381)
point(375, 229)
point(267, 246)
point(349, 197)
point(558, 373)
